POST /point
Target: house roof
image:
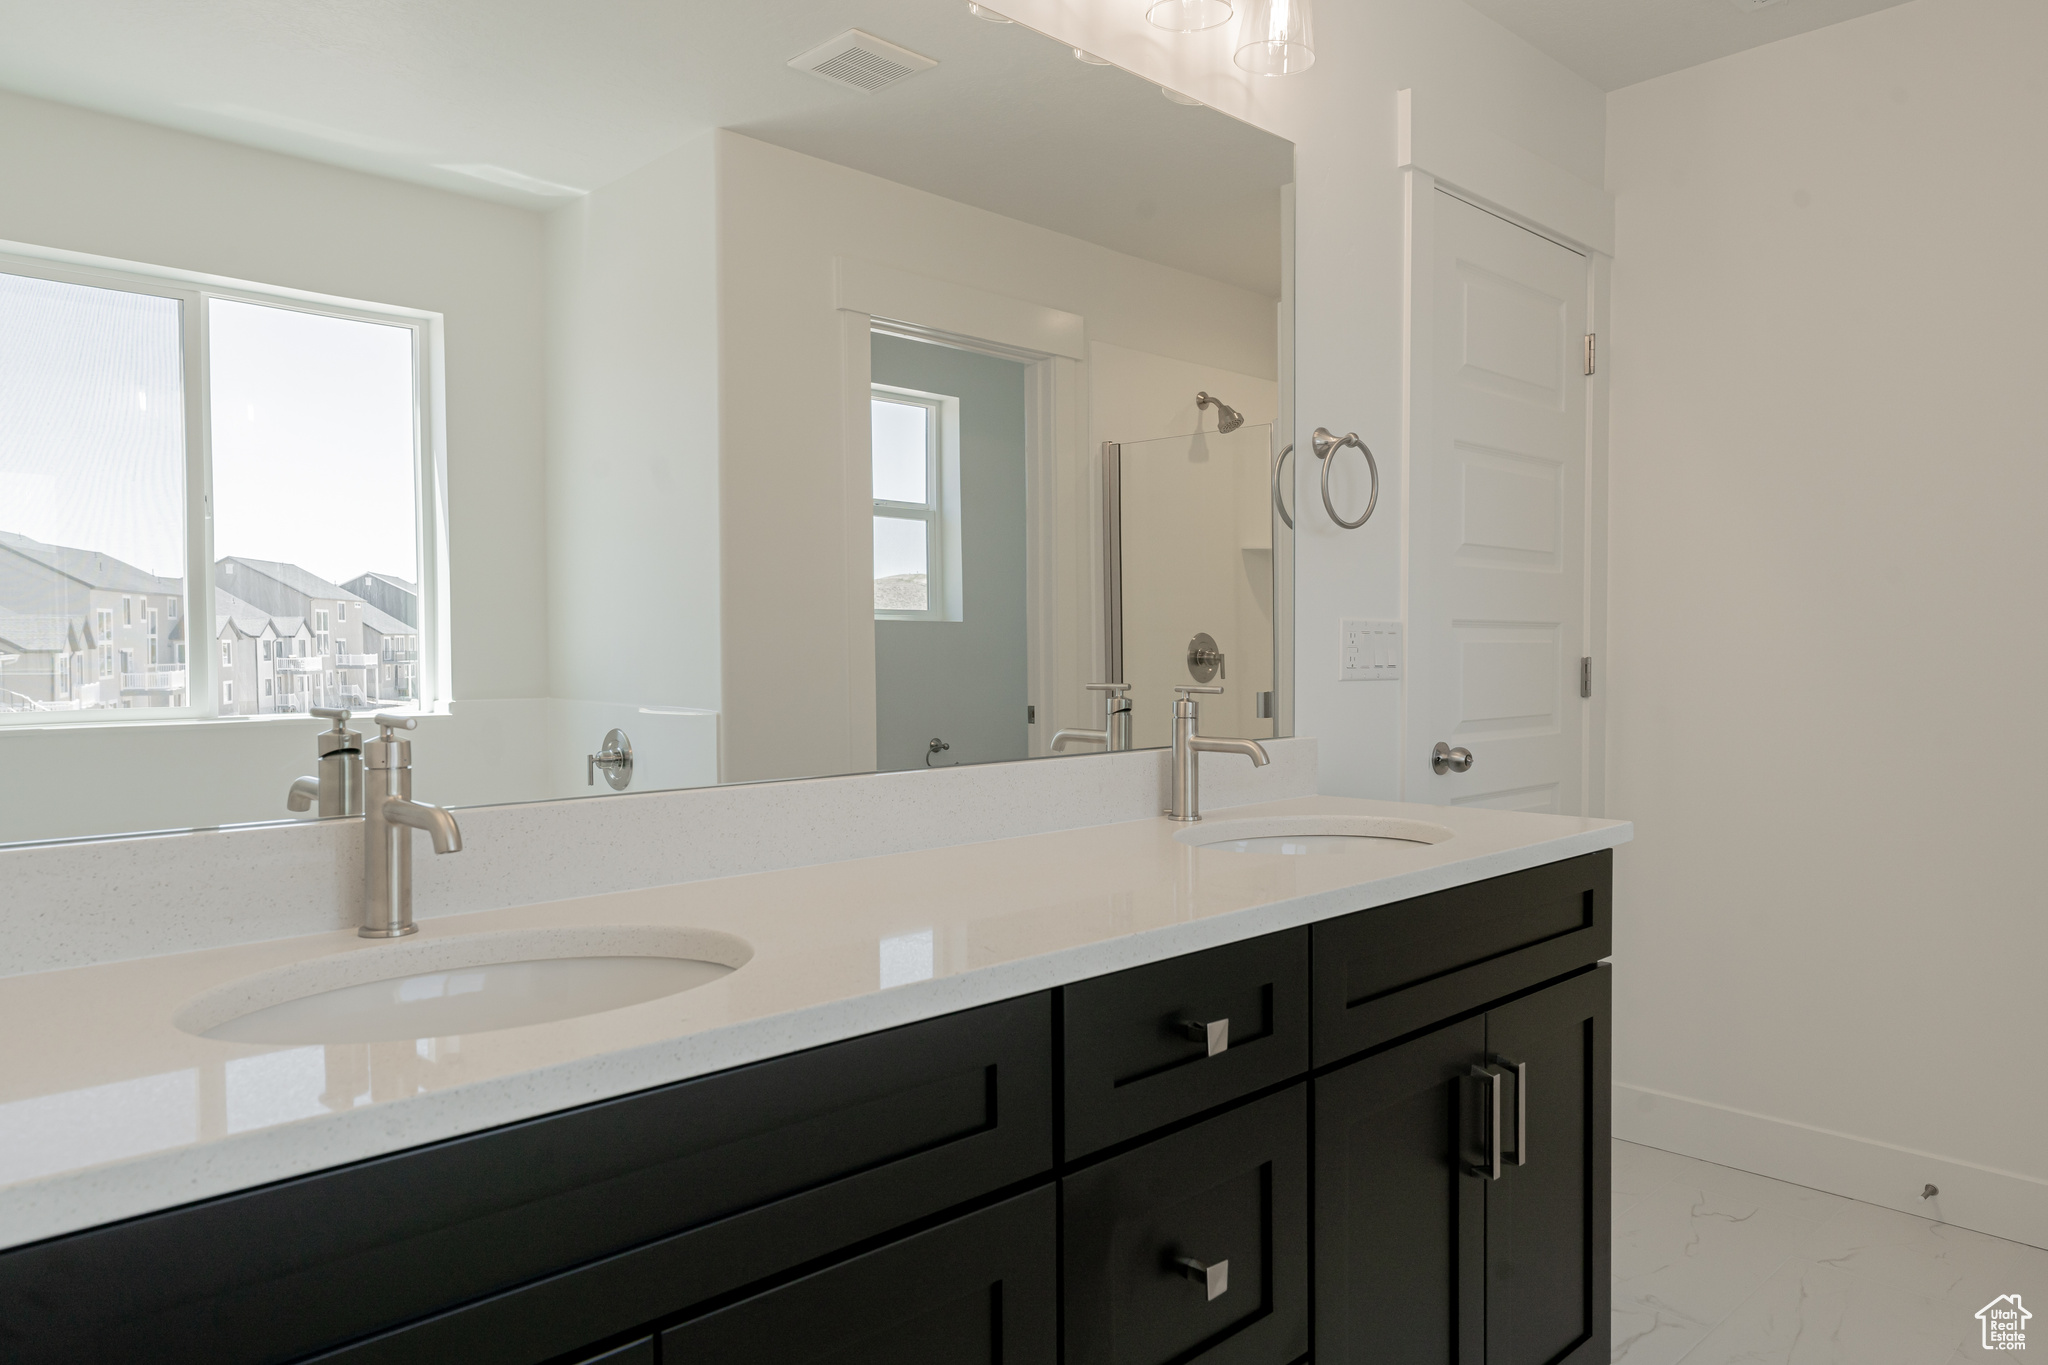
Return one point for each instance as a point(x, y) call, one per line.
point(403, 585)
point(292, 576)
point(34, 634)
point(94, 568)
point(229, 608)
point(383, 622)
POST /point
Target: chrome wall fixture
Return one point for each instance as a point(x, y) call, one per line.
point(615, 756)
point(1326, 444)
point(1227, 417)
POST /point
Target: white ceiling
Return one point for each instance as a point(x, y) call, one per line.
point(1614, 43)
point(533, 94)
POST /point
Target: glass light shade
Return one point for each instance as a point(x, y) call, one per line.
point(1188, 16)
point(1276, 39)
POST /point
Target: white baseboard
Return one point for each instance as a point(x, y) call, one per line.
point(2001, 1203)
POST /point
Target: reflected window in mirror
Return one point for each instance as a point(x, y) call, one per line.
point(312, 418)
point(915, 463)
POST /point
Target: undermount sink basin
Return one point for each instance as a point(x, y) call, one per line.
point(1305, 834)
point(472, 983)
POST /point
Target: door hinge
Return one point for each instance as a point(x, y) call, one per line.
point(1591, 339)
point(1586, 676)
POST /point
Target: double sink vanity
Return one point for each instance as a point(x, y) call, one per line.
point(1316, 1076)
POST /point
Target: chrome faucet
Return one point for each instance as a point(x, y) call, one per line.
point(338, 789)
point(1115, 734)
point(1188, 742)
point(390, 815)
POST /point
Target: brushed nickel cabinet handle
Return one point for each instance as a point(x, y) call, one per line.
point(1214, 1032)
point(1490, 1168)
point(1521, 1070)
point(1213, 1276)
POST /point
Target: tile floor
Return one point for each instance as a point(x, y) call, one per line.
point(1714, 1266)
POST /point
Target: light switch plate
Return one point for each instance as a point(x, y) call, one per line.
point(1369, 651)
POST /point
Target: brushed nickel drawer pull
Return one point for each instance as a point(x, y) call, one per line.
point(1214, 1277)
point(1214, 1032)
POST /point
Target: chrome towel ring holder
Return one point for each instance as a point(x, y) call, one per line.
point(1326, 445)
point(1279, 506)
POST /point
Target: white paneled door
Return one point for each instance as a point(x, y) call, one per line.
point(1497, 605)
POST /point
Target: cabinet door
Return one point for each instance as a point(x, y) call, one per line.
point(1546, 1217)
point(1229, 1194)
point(1400, 1217)
point(981, 1290)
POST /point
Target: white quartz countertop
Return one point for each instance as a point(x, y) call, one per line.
point(109, 1110)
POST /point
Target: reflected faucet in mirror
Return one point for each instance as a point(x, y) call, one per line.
point(1115, 734)
point(1188, 741)
point(338, 790)
point(390, 816)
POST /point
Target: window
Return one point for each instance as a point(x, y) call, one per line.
point(916, 483)
point(96, 476)
point(319, 632)
point(266, 687)
point(227, 694)
point(227, 654)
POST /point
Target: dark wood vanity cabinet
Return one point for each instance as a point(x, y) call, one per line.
point(1154, 1167)
point(1442, 1240)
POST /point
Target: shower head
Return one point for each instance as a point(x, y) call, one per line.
point(1227, 417)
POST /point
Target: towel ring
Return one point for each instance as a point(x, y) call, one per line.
point(1279, 506)
point(1326, 444)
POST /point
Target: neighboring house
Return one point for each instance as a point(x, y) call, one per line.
point(392, 596)
point(35, 660)
point(124, 644)
point(366, 655)
point(82, 630)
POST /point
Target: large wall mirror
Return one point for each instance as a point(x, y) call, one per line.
point(879, 409)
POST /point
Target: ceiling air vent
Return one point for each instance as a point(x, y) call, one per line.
point(862, 61)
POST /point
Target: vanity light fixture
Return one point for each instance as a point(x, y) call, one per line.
point(1275, 39)
point(984, 12)
point(1188, 16)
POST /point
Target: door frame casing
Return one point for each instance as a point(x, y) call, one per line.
point(1437, 152)
point(1063, 565)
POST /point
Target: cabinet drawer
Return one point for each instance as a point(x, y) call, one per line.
point(1233, 1189)
point(981, 1290)
point(1394, 969)
point(1137, 1052)
point(563, 1230)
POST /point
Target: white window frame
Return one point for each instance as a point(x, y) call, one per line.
point(944, 599)
point(195, 292)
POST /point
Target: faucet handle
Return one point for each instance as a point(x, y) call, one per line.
point(387, 722)
point(1202, 691)
point(1112, 689)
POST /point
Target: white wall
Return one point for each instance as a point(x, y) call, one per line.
point(632, 422)
point(1828, 575)
point(784, 218)
point(1348, 262)
point(79, 181)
